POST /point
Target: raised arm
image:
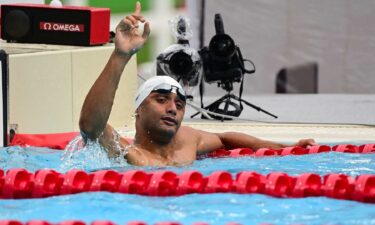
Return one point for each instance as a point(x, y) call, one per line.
point(98, 103)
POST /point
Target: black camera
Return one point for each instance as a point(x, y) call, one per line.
point(222, 63)
point(222, 59)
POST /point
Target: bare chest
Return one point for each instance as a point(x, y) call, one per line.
point(177, 155)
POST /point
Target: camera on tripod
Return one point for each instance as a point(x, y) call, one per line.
point(220, 62)
point(223, 63)
point(222, 59)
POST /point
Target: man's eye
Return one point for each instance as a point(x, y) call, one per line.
point(161, 99)
point(179, 105)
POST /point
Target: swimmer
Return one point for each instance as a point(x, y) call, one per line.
point(160, 103)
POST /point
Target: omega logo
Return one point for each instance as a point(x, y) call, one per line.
point(66, 27)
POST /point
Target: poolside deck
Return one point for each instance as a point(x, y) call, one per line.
point(327, 118)
point(286, 132)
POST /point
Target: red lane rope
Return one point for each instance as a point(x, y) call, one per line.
point(56, 141)
point(295, 150)
point(98, 222)
point(102, 222)
point(60, 140)
point(20, 183)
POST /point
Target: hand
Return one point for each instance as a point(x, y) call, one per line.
point(306, 143)
point(128, 39)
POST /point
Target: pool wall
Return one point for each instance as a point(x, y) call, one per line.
point(48, 83)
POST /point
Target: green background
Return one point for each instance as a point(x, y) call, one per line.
point(126, 7)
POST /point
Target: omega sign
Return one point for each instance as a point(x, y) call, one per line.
point(65, 27)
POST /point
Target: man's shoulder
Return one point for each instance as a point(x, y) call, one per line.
point(188, 136)
point(187, 131)
point(186, 128)
point(191, 132)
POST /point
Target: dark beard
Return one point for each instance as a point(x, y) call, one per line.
point(161, 136)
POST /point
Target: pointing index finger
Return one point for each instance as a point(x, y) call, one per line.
point(137, 8)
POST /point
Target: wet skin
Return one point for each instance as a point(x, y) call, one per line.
point(160, 139)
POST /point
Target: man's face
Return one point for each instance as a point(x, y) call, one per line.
point(161, 114)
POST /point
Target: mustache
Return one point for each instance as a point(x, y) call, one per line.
point(170, 118)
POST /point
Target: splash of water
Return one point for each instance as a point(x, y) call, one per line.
point(13, 157)
point(122, 151)
point(89, 156)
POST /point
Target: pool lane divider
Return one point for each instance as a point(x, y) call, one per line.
point(294, 150)
point(59, 141)
point(21, 184)
point(101, 222)
point(98, 222)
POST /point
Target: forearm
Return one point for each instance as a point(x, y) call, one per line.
point(98, 103)
point(233, 140)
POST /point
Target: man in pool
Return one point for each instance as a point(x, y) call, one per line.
point(160, 106)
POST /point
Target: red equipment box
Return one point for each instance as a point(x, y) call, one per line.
point(68, 25)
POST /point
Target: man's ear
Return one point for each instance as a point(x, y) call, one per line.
point(136, 113)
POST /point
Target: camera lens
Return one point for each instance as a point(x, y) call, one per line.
point(181, 63)
point(222, 46)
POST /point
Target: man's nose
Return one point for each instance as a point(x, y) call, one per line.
point(172, 108)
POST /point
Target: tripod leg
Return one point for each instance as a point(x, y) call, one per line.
point(257, 108)
point(212, 104)
point(195, 114)
point(253, 106)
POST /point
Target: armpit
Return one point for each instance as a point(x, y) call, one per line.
point(114, 146)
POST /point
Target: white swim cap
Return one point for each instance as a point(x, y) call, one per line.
point(149, 85)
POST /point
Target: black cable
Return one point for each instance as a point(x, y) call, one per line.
point(201, 24)
point(248, 71)
point(201, 44)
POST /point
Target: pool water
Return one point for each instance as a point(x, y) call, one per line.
point(187, 209)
